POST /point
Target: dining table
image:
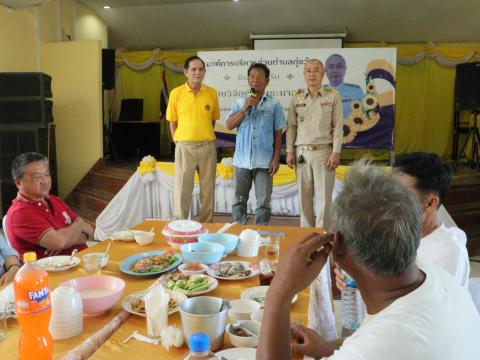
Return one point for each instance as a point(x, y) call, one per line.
point(115, 347)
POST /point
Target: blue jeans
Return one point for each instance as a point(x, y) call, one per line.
point(243, 179)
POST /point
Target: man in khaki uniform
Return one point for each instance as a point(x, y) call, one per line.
point(192, 111)
point(314, 142)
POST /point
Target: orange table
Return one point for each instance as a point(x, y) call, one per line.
point(113, 348)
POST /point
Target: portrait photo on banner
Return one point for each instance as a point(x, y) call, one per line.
point(364, 78)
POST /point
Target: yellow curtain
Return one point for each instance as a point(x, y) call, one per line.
point(424, 94)
point(145, 84)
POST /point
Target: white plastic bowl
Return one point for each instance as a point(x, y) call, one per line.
point(183, 269)
point(257, 315)
point(143, 237)
point(242, 308)
point(245, 341)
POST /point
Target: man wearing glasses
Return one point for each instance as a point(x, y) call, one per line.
point(259, 120)
point(38, 221)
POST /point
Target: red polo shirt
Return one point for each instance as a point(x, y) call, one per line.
point(28, 220)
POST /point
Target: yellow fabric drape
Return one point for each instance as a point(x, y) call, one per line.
point(424, 94)
point(144, 84)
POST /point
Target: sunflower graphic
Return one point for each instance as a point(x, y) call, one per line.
point(370, 102)
point(356, 105)
point(371, 88)
point(348, 134)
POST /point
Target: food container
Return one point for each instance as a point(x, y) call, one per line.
point(180, 232)
point(202, 314)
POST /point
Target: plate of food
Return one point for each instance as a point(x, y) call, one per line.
point(233, 270)
point(150, 263)
point(58, 263)
point(258, 294)
point(190, 285)
point(135, 303)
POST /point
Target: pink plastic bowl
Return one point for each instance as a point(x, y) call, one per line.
point(99, 292)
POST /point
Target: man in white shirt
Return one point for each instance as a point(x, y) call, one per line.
point(429, 178)
point(413, 313)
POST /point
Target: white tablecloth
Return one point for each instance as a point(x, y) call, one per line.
point(151, 197)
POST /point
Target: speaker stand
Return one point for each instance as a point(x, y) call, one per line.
point(474, 135)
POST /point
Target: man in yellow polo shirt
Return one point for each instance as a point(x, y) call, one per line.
point(192, 111)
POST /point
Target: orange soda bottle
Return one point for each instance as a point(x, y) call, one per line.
point(32, 299)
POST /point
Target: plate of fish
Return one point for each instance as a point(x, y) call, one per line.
point(233, 270)
point(150, 263)
point(135, 302)
point(58, 263)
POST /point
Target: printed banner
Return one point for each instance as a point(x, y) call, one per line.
point(365, 79)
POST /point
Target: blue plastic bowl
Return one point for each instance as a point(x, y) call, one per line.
point(230, 241)
point(202, 252)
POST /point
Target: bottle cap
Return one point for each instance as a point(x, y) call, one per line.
point(351, 283)
point(199, 342)
point(29, 257)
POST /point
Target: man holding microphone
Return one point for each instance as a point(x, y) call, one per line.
point(259, 120)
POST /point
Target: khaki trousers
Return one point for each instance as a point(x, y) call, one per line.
point(191, 157)
point(314, 180)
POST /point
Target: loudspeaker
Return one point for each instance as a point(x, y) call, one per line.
point(14, 142)
point(25, 84)
point(8, 192)
point(467, 86)
point(131, 110)
point(108, 69)
point(25, 111)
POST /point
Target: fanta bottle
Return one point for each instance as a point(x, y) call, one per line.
point(32, 299)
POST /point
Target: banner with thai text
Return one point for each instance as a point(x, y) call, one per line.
point(364, 78)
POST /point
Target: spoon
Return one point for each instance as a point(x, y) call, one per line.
point(105, 254)
point(238, 326)
point(225, 305)
point(74, 252)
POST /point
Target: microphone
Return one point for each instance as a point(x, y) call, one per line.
point(252, 94)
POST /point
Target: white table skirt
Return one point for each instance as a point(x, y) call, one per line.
point(151, 197)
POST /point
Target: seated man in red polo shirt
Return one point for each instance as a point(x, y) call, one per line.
point(38, 221)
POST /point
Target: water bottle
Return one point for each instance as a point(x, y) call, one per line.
point(353, 309)
point(199, 344)
point(32, 298)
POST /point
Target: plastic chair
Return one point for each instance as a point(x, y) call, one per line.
point(474, 288)
point(4, 227)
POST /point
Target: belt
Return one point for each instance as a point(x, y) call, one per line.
point(312, 147)
point(196, 143)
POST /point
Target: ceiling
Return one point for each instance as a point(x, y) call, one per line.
point(194, 24)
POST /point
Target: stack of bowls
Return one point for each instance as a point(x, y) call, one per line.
point(249, 243)
point(66, 320)
point(179, 232)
